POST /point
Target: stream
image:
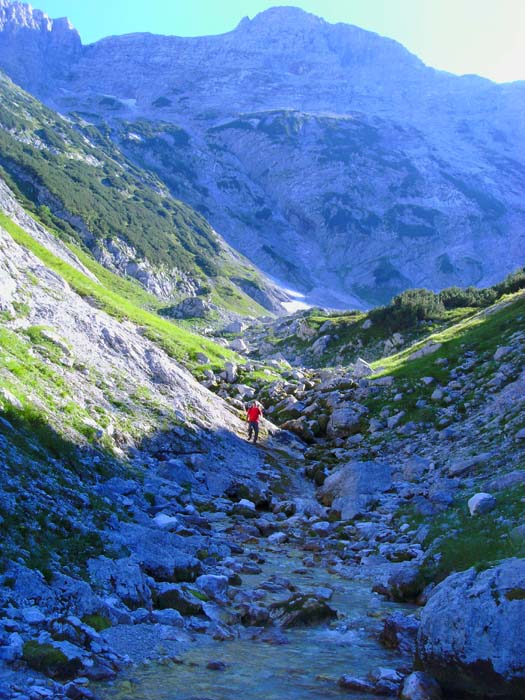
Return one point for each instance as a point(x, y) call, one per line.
point(306, 668)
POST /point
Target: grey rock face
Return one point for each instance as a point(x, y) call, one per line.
point(472, 634)
point(354, 487)
point(362, 151)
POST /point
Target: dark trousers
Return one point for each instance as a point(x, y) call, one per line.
point(253, 428)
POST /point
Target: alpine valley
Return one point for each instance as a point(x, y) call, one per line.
point(164, 203)
point(333, 158)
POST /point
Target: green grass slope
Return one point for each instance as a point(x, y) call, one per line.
point(180, 344)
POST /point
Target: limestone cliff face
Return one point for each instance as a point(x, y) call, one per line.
point(331, 156)
point(34, 48)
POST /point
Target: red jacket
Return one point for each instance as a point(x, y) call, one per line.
point(254, 413)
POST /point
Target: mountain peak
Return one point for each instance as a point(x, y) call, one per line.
point(51, 43)
point(20, 15)
point(283, 18)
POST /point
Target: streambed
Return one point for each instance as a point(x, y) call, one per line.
point(305, 668)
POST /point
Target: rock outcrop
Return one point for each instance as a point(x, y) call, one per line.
point(472, 634)
point(353, 488)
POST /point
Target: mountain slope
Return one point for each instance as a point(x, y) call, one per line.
point(78, 182)
point(88, 389)
point(332, 157)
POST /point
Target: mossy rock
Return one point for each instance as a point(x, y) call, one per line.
point(98, 622)
point(49, 660)
point(186, 602)
point(302, 611)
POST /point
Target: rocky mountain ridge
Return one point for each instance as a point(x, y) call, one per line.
point(373, 173)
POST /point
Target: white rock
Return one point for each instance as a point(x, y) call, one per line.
point(278, 538)
point(166, 522)
point(238, 345)
point(481, 503)
point(420, 686)
point(231, 372)
point(9, 398)
point(235, 327)
point(245, 503)
point(33, 615)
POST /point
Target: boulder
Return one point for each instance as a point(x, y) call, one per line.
point(427, 349)
point(123, 578)
point(160, 554)
point(501, 352)
point(191, 307)
point(231, 373)
point(235, 327)
point(420, 686)
point(213, 586)
point(414, 468)
point(481, 503)
point(301, 428)
point(353, 488)
point(168, 616)
point(8, 398)
point(505, 481)
point(399, 632)
point(238, 345)
point(361, 369)
point(346, 420)
point(176, 597)
point(302, 610)
point(402, 585)
point(472, 634)
point(469, 464)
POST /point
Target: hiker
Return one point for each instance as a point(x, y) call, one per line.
point(253, 414)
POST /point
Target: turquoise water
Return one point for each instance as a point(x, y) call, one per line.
point(305, 669)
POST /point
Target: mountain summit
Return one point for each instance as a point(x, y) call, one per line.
point(331, 156)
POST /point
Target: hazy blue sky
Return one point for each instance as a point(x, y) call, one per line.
point(463, 36)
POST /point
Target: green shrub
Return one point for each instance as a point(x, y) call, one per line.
point(407, 309)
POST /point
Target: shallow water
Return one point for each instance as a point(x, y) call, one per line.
point(305, 669)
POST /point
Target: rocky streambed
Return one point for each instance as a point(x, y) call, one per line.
point(294, 628)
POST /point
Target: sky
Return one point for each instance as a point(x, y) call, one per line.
point(486, 37)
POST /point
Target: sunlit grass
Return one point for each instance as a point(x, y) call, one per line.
point(180, 344)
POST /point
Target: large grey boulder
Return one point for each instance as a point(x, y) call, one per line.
point(346, 420)
point(162, 555)
point(354, 487)
point(122, 577)
point(472, 633)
